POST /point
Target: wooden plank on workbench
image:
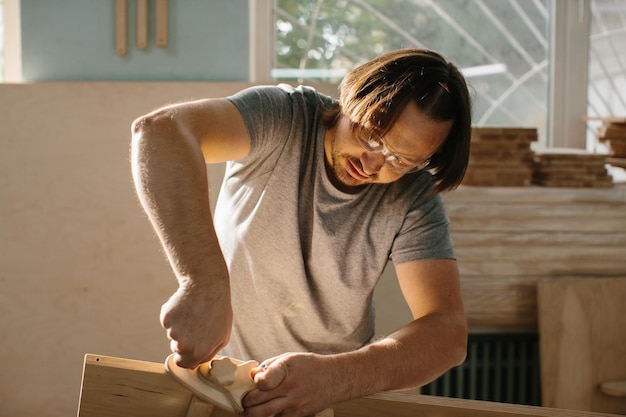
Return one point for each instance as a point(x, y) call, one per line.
point(399, 404)
point(124, 388)
point(129, 388)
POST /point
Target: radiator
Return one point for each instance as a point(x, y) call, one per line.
point(499, 367)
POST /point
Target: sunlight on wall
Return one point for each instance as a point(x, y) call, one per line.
point(1, 40)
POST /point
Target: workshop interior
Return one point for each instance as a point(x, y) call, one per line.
point(538, 223)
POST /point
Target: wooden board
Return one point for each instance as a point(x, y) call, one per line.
point(571, 168)
point(617, 162)
point(613, 134)
point(141, 8)
point(582, 325)
point(121, 27)
point(124, 388)
point(129, 388)
point(162, 25)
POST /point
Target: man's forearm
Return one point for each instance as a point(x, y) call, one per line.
point(170, 178)
point(410, 357)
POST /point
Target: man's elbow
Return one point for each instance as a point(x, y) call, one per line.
point(152, 125)
point(139, 129)
point(459, 342)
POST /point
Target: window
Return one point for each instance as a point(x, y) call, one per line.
point(10, 52)
point(507, 50)
point(501, 46)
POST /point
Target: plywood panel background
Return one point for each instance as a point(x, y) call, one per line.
point(508, 239)
point(582, 325)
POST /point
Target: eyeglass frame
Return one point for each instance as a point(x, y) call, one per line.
point(375, 144)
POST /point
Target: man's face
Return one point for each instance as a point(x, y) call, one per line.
point(354, 157)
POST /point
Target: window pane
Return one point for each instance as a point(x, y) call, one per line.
point(607, 60)
point(501, 46)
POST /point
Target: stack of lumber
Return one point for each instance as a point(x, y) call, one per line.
point(500, 156)
point(571, 168)
point(613, 134)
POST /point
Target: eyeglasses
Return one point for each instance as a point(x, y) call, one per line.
point(374, 144)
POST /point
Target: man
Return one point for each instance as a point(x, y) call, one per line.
point(317, 196)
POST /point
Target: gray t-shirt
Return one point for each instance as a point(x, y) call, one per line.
point(304, 257)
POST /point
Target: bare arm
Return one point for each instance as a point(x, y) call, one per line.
point(170, 149)
point(410, 357)
point(425, 348)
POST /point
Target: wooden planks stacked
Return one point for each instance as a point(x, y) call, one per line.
point(571, 168)
point(613, 134)
point(507, 239)
point(500, 156)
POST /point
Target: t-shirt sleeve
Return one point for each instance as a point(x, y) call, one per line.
point(424, 233)
point(267, 114)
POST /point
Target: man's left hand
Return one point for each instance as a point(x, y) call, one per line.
point(293, 385)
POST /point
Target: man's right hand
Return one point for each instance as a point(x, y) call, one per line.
point(198, 323)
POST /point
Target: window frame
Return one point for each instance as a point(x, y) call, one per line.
point(261, 46)
point(569, 63)
point(12, 42)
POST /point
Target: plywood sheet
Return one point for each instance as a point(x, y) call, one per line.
point(582, 324)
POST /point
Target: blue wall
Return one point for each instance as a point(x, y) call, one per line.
point(66, 40)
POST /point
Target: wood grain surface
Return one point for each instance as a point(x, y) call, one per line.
point(582, 325)
point(508, 239)
point(122, 387)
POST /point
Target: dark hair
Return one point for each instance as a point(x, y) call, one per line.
point(374, 94)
